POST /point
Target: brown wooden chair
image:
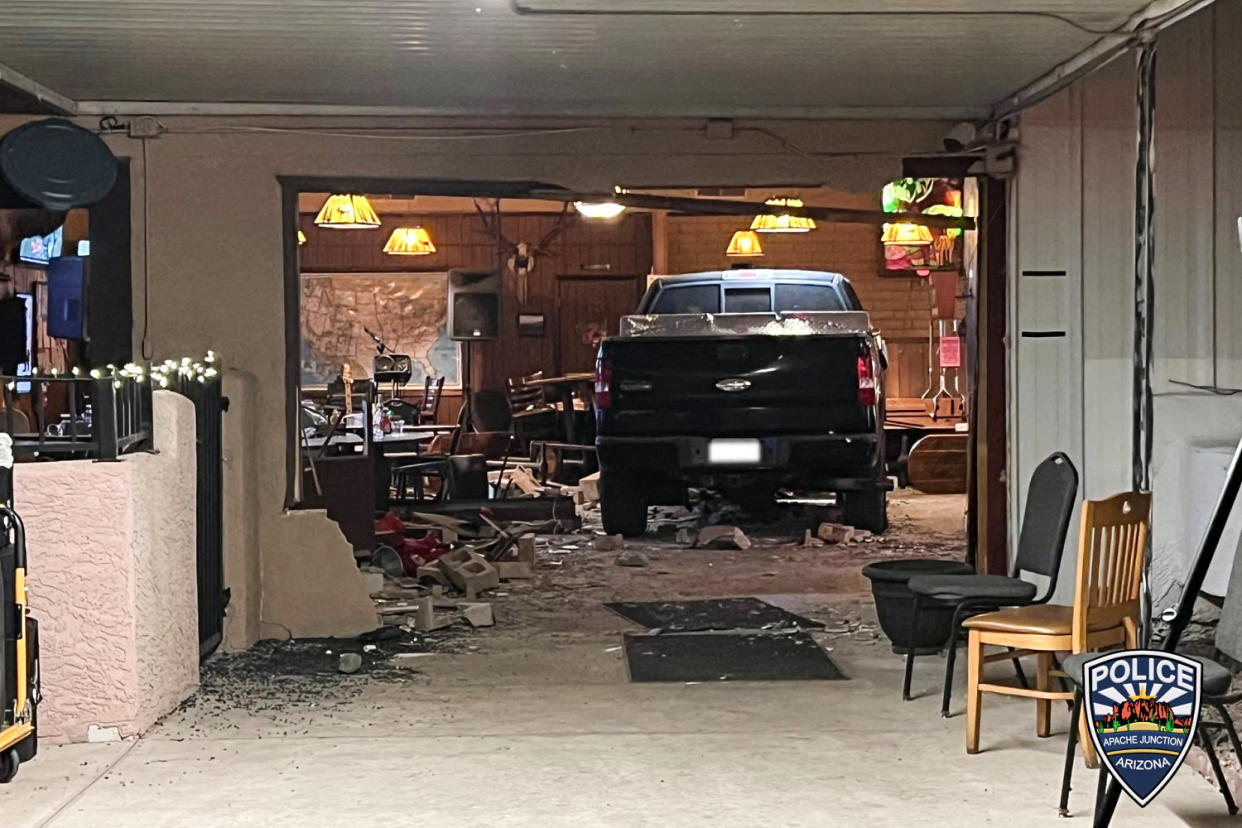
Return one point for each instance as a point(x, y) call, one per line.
point(1104, 614)
point(533, 418)
point(429, 407)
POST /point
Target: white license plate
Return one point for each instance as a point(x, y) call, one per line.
point(734, 451)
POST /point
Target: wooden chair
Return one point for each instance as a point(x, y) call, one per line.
point(1104, 614)
point(429, 407)
point(532, 417)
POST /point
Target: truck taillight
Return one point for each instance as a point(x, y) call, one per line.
point(866, 380)
point(603, 384)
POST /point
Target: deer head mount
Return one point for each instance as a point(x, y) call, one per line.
point(520, 257)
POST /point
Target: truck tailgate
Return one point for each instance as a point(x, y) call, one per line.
point(738, 386)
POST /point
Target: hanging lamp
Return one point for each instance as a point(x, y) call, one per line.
point(907, 235)
point(744, 243)
point(409, 241)
point(347, 212)
point(782, 222)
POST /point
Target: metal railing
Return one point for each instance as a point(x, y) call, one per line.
point(77, 417)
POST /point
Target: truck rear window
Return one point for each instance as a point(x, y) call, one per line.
point(753, 299)
point(807, 298)
point(688, 299)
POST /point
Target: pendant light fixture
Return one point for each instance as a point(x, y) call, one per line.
point(601, 210)
point(301, 238)
point(907, 235)
point(347, 212)
point(778, 222)
point(409, 241)
point(744, 243)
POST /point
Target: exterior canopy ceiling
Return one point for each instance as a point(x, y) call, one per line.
point(676, 58)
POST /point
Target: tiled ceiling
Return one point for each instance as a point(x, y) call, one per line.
point(552, 57)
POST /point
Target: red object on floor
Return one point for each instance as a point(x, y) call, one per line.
point(420, 552)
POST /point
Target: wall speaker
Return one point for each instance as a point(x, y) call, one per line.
point(57, 164)
point(12, 334)
point(66, 298)
point(473, 304)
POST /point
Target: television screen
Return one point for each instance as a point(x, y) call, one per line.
point(40, 250)
point(25, 369)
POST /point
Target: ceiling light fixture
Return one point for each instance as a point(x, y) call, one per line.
point(782, 222)
point(409, 241)
point(600, 210)
point(347, 212)
point(744, 243)
point(907, 235)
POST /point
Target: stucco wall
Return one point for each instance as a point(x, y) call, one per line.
point(112, 580)
point(216, 279)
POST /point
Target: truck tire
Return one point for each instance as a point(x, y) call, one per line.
point(623, 508)
point(867, 510)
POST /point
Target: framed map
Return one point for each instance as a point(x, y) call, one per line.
point(408, 311)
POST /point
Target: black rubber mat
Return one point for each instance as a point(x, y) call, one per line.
point(712, 614)
point(728, 657)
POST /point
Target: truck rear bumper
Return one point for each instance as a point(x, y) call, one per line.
point(848, 461)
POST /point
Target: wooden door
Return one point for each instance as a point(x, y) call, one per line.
point(588, 309)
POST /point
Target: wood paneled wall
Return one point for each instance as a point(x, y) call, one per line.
point(619, 250)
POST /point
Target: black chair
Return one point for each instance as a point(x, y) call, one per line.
point(459, 476)
point(489, 411)
point(1050, 503)
point(1215, 691)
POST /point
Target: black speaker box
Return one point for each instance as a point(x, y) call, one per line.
point(473, 304)
point(12, 334)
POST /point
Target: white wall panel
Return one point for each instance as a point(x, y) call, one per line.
point(1184, 214)
point(1046, 387)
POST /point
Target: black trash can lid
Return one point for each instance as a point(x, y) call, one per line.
point(904, 570)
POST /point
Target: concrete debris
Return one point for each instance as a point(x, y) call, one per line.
point(478, 615)
point(722, 537)
point(433, 572)
point(686, 536)
point(469, 571)
point(810, 540)
point(589, 488)
point(95, 734)
point(349, 663)
point(608, 543)
point(632, 558)
point(526, 549)
point(373, 579)
point(513, 570)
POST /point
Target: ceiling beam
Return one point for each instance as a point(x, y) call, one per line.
point(24, 95)
point(722, 207)
point(1151, 19)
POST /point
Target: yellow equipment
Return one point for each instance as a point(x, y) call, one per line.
point(19, 667)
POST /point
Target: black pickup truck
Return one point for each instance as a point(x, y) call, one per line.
point(749, 382)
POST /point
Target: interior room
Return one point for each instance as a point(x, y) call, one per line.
point(375, 312)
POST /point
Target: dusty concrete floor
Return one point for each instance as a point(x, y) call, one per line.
point(534, 722)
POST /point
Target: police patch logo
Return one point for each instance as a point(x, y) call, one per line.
point(1143, 708)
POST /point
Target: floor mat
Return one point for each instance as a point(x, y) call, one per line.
point(712, 614)
point(728, 657)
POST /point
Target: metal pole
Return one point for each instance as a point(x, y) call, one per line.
point(1142, 436)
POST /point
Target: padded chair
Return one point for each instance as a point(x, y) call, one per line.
point(1215, 690)
point(1050, 501)
point(1105, 613)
